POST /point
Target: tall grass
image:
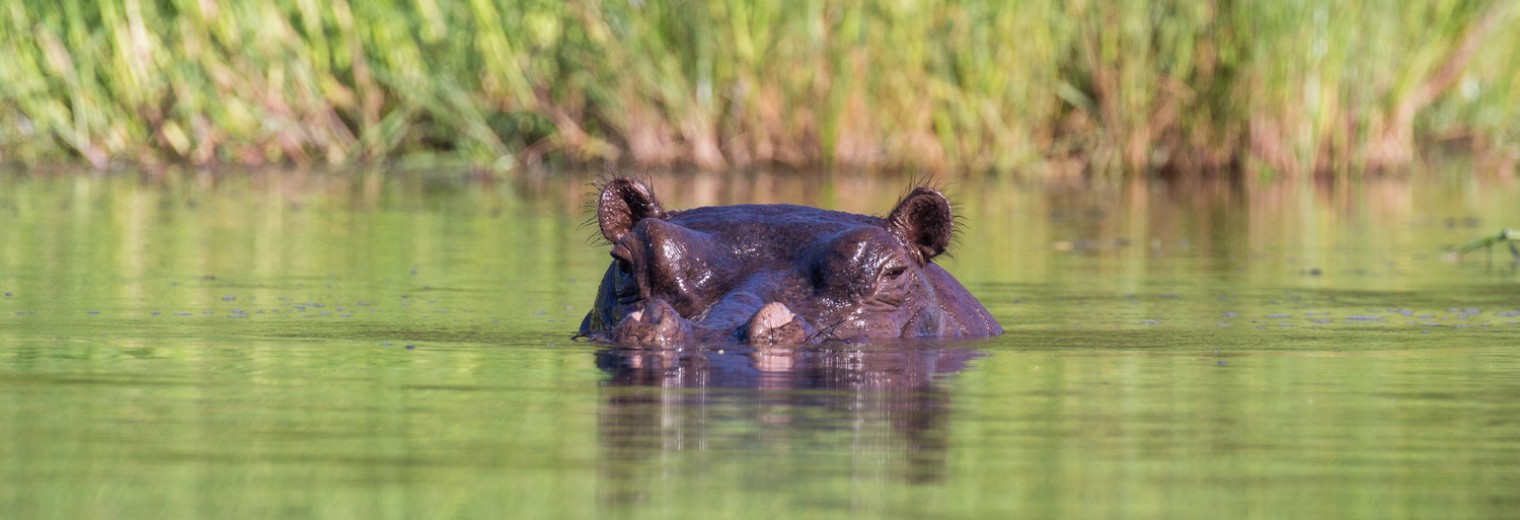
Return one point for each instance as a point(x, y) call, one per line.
point(1137, 86)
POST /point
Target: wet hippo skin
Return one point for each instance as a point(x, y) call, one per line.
point(776, 274)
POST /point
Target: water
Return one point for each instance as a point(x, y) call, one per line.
point(397, 346)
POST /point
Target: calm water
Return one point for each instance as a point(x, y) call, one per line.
point(397, 346)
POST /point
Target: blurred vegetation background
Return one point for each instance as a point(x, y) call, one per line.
point(1030, 87)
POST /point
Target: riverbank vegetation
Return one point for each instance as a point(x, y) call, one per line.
point(1032, 87)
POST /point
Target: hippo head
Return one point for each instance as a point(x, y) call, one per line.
point(776, 274)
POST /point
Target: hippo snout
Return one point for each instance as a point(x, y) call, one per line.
point(655, 323)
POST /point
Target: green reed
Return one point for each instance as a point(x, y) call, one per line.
point(1030, 87)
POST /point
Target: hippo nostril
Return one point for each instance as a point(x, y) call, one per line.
point(773, 315)
point(654, 323)
point(775, 324)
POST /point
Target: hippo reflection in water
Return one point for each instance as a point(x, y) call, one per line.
point(744, 400)
point(776, 274)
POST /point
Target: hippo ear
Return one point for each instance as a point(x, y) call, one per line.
point(924, 222)
point(623, 203)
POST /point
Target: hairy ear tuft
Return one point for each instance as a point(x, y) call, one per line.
point(924, 222)
point(622, 204)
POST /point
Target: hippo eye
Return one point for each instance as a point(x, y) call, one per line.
point(623, 285)
point(893, 273)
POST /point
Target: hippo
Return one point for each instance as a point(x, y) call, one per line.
point(776, 274)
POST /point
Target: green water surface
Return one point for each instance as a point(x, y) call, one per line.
point(367, 345)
